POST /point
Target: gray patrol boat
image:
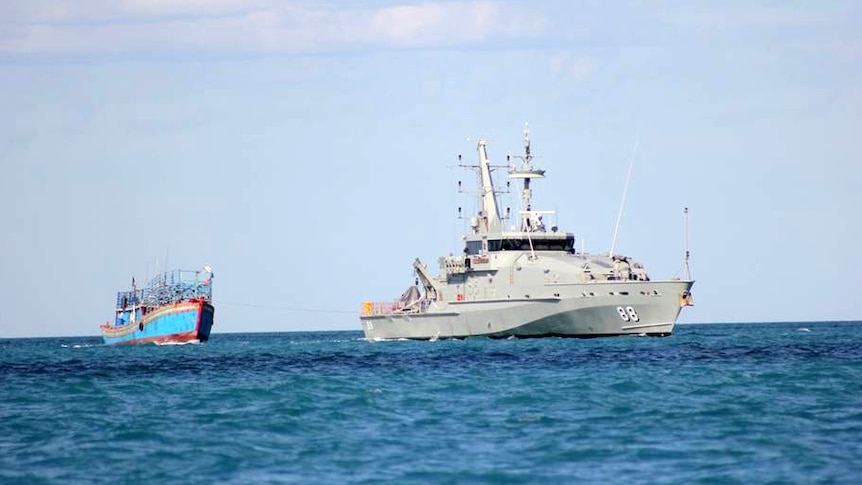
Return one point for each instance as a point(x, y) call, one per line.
point(527, 282)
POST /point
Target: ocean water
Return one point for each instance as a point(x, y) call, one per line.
point(711, 404)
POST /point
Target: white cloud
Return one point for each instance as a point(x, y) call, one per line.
point(743, 16)
point(70, 11)
point(190, 7)
point(432, 24)
point(154, 26)
point(572, 66)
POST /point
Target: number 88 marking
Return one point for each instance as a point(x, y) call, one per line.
point(628, 314)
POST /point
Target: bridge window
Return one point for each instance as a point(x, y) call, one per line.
point(473, 247)
point(539, 244)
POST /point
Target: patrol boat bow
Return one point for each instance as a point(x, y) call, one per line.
point(529, 282)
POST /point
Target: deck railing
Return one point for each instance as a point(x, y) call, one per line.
point(374, 308)
point(170, 287)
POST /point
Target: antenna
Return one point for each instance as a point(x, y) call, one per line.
point(625, 191)
point(687, 253)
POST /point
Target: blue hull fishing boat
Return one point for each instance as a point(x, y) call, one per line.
point(175, 307)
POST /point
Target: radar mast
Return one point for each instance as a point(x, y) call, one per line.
point(530, 220)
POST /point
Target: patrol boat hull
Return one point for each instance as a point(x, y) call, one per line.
point(520, 276)
point(590, 310)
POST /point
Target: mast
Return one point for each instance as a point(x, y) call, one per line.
point(527, 173)
point(489, 200)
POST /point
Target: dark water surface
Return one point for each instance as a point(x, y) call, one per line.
point(712, 404)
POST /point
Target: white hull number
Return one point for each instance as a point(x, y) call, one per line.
point(628, 314)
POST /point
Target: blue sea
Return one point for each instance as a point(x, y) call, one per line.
point(712, 404)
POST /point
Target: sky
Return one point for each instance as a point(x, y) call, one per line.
point(307, 151)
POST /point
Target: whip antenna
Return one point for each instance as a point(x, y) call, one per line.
point(625, 191)
point(687, 253)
